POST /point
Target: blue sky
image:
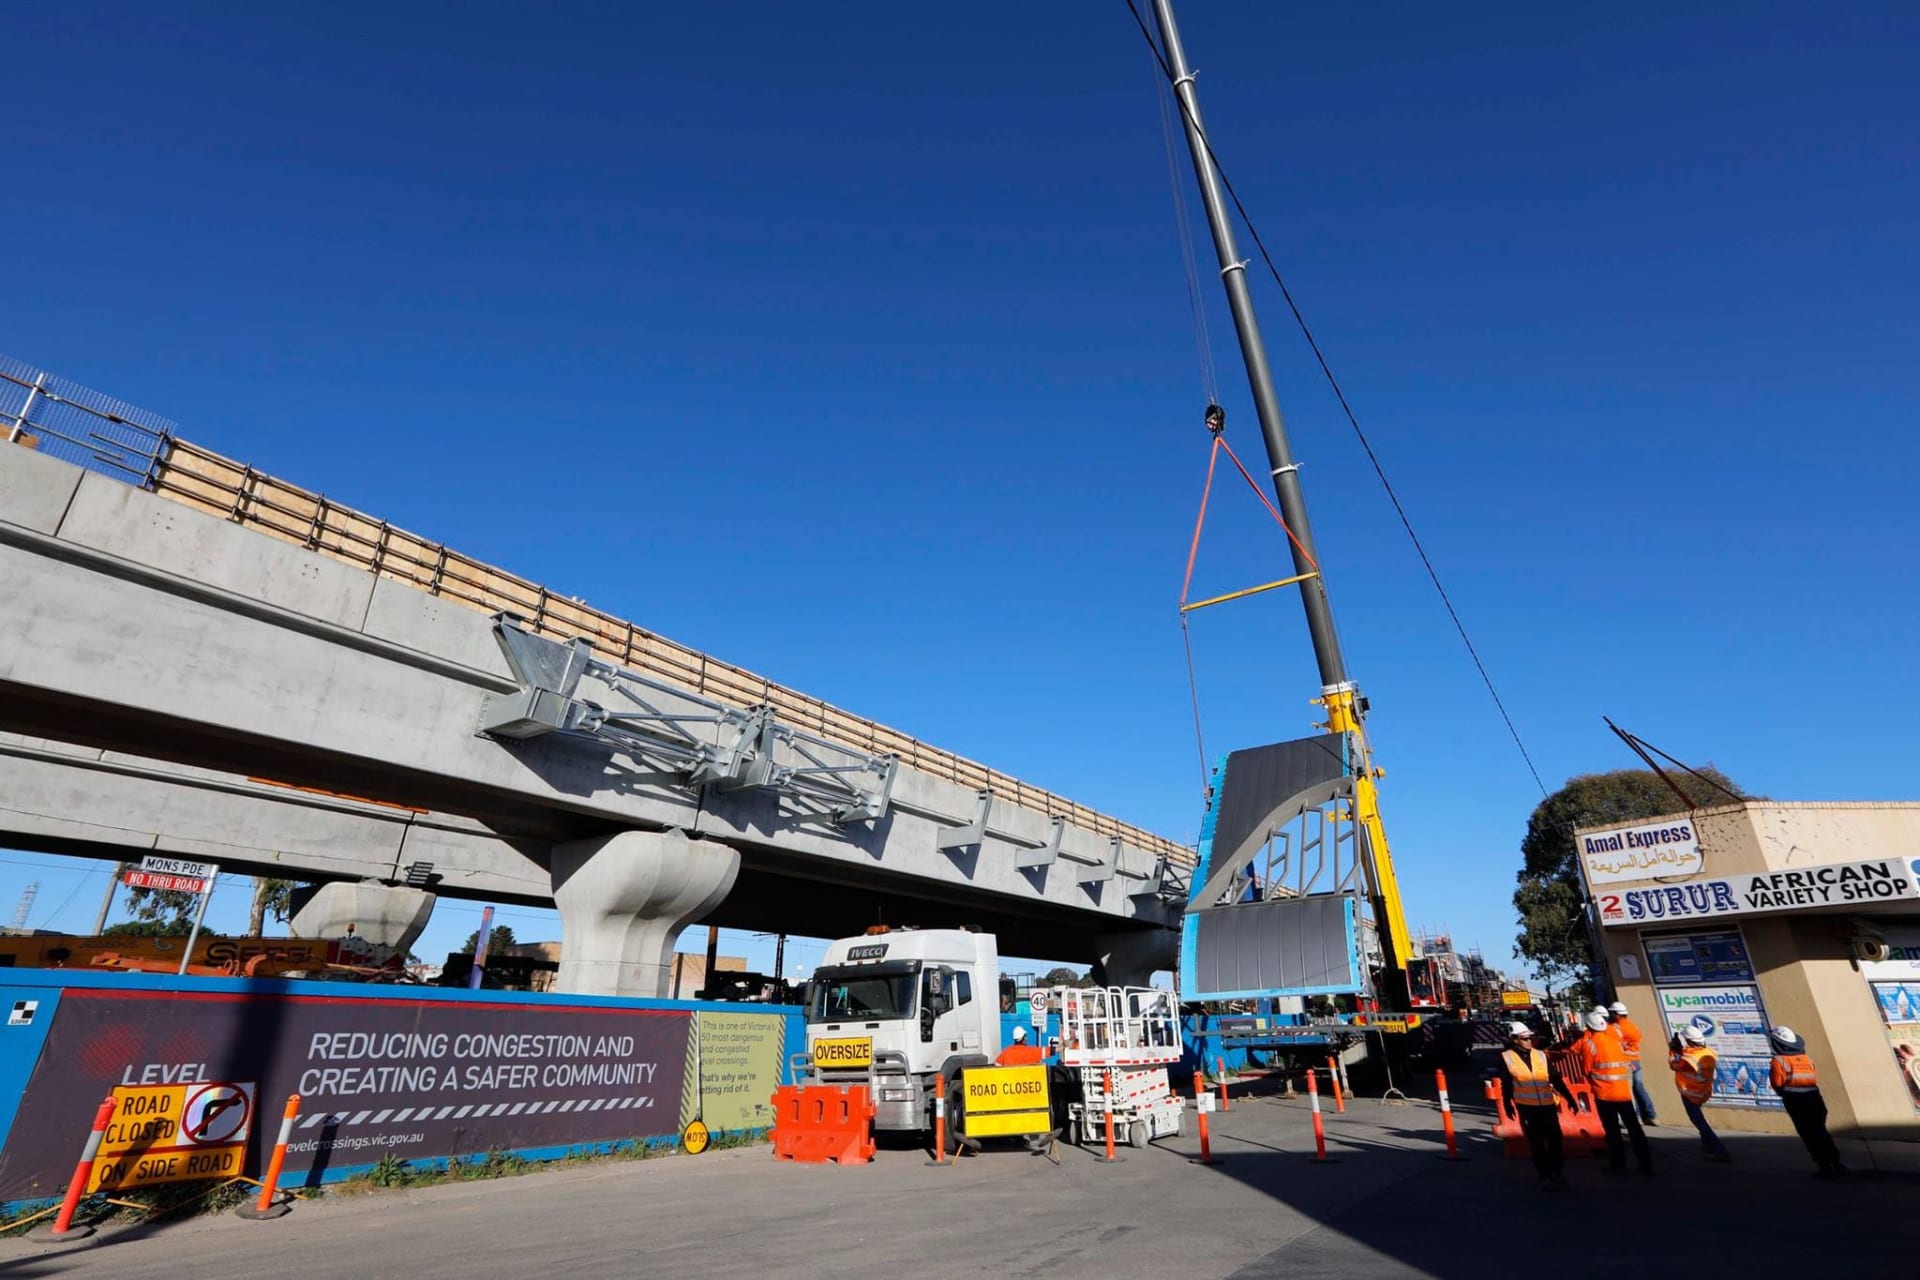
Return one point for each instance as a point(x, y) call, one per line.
point(850, 343)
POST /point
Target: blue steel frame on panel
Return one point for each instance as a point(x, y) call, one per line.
point(1190, 927)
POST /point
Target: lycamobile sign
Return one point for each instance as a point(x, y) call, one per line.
point(1843, 884)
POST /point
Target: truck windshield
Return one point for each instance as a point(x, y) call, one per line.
point(870, 992)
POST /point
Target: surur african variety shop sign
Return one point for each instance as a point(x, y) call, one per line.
point(1648, 852)
point(405, 1075)
point(1841, 884)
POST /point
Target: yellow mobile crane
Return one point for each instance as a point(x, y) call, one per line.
point(1294, 892)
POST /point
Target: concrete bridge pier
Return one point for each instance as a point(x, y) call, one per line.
point(1131, 959)
point(381, 916)
point(623, 901)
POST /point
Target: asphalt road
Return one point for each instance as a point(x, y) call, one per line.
point(1388, 1208)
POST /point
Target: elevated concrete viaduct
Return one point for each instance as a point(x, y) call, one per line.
point(169, 678)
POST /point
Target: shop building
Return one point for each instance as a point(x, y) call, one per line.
point(1757, 914)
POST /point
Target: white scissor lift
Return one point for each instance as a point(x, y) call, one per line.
point(1121, 1041)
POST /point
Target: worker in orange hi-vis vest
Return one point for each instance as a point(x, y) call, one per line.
point(1694, 1065)
point(1020, 1053)
point(1630, 1041)
point(1605, 1059)
point(1528, 1081)
point(1798, 1085)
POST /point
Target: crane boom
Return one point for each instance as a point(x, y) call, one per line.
point(1346, 708)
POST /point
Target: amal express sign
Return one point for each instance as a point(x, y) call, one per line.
point(1842, 884)
point(1652, 851)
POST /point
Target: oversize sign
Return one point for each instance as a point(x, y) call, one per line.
point(1844, 884)
point(1652, 851)
point(1006, 1101)
point(843, 1055)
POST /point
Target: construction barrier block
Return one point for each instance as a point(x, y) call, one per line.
point(822, 1124)
point(1580, 1131)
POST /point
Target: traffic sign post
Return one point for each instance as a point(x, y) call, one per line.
point(177, 875)
point(193, 935)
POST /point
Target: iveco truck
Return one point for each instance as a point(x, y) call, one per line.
point(897, 1010)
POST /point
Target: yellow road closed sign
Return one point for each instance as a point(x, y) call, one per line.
point(173, 1133)
point(1005, 1101)
point(146, 1168)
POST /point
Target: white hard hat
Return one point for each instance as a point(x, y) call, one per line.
point(1692, 1034)
point(1597, 1020)
point(1019, 1035)
point(1617, 1007)
point(1518, 1029)
point(1784, 1038)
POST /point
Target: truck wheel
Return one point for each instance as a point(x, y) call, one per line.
point(956, 1115)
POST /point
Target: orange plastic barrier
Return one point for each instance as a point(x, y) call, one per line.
point(1580, 1132)
point(821, 1124)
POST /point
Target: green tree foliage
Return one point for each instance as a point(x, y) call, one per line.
point(169, 910)
point(1062, 976)
point(1549, 898)
point(275, 896)
point(497, 941)
point(175, 927)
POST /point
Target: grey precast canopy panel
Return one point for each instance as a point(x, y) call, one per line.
point(1283, 946)
point(1304, 941)
point(1259, 780)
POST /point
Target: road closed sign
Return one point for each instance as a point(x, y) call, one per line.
point(1005, 1101)
point(174, 1133)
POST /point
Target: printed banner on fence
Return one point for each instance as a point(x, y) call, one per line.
point(1851, 885)
point(740, 1060)
point(410, 1078)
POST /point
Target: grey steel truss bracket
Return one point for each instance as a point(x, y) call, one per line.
point(971, 834)
point(1046, 854)
point(1104, 869)
point(706, 744)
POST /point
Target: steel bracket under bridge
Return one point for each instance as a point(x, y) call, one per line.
point(706, 744)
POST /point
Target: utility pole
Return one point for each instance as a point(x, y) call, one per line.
point(106, 903)
point(713, 956)
point(780, 957)
point(1253, 351)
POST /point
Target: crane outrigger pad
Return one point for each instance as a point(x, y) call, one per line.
point(1277, 911)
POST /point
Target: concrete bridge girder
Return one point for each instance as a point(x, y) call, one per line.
point(143, 629)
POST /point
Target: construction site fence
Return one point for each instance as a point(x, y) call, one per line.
point(103, 434)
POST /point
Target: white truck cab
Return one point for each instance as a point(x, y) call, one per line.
point(897, 1009)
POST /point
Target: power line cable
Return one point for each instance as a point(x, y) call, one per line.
point(1340, 394)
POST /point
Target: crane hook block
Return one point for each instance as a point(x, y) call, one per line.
point(1216, 419)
